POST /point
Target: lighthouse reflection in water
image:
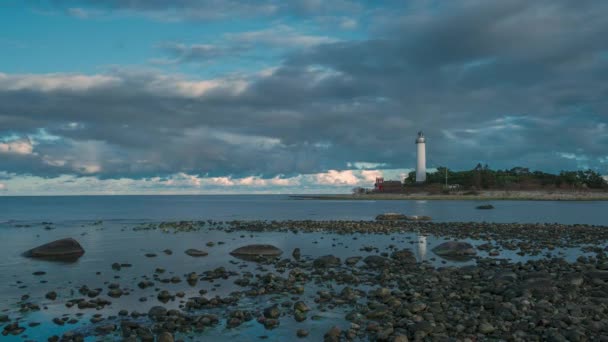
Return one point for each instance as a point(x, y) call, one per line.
point(421, 247)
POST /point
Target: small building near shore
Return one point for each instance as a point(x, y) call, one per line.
point(390, 186)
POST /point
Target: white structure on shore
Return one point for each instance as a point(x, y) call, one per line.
point(421, 164)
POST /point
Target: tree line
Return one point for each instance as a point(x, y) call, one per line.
point(482, 177)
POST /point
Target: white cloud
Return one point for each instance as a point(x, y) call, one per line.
point(18, 146)
point(365, 165)
point(335, 177)
point(54, 82)
point(332, 181)
point(281, 36)
point(348, 24)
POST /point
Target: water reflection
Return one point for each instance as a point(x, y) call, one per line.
point(422, 245)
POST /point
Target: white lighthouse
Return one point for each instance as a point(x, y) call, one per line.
point(421, 159)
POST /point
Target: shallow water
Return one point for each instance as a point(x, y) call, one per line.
point(281, 207)
point(116, 241)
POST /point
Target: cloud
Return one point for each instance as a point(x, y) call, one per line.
point(55, 82)
point(281, 36)
point(3, 187)
point(184, 183)
point(248, 44)
point(17, 146)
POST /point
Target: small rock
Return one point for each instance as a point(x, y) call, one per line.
point(196, 252)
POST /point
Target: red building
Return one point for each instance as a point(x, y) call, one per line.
point(387, 186)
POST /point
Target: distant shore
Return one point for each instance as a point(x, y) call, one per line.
point(481, 196)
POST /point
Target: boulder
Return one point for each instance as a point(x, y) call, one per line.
point(375, 261)
point(391, 217)
point(196, 252)
point(455, 250)
point(165, 337)
point(485, 207)
point(296, 254)
point(404, 256)
point(64, 249)
point(255, 251)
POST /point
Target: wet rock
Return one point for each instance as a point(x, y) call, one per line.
point(105, 329)
point(301, 306)
point(486, 328)
point(13, 329)
point(375, 261)
point(115, 293)
point(39, 273)
point(51, 295)
point(352, 261)
point(391, 217)
point(455, 250)
point(64, 249)
point(272, 312)
point(404, 256)
point(302, 333)
point(271, 323)
point(165, 337)
point(333, 335)
point(196, 252)
point(299, 316)
point(485, 207)
point(157, 313)
point(296, 254)
point(254, 251)
point(164, 296)
point(326, 261)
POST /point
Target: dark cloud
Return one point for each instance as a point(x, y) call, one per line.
point(507, 83)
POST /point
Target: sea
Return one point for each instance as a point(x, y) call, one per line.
point(104, 226)
point(284, 207)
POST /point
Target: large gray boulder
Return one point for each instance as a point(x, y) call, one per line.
point(455, 250)
point(64, 249)
point(256, 251)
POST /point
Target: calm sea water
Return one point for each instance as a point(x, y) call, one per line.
point(277, 207)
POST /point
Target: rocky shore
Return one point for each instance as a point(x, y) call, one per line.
point(381, 293)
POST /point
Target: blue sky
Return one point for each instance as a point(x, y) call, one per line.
point(209, 96)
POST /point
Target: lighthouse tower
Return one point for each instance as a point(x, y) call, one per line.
point(421, 159)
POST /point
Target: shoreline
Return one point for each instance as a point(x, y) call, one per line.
point(483, 196)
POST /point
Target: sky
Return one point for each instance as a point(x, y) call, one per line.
point(300, 96)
